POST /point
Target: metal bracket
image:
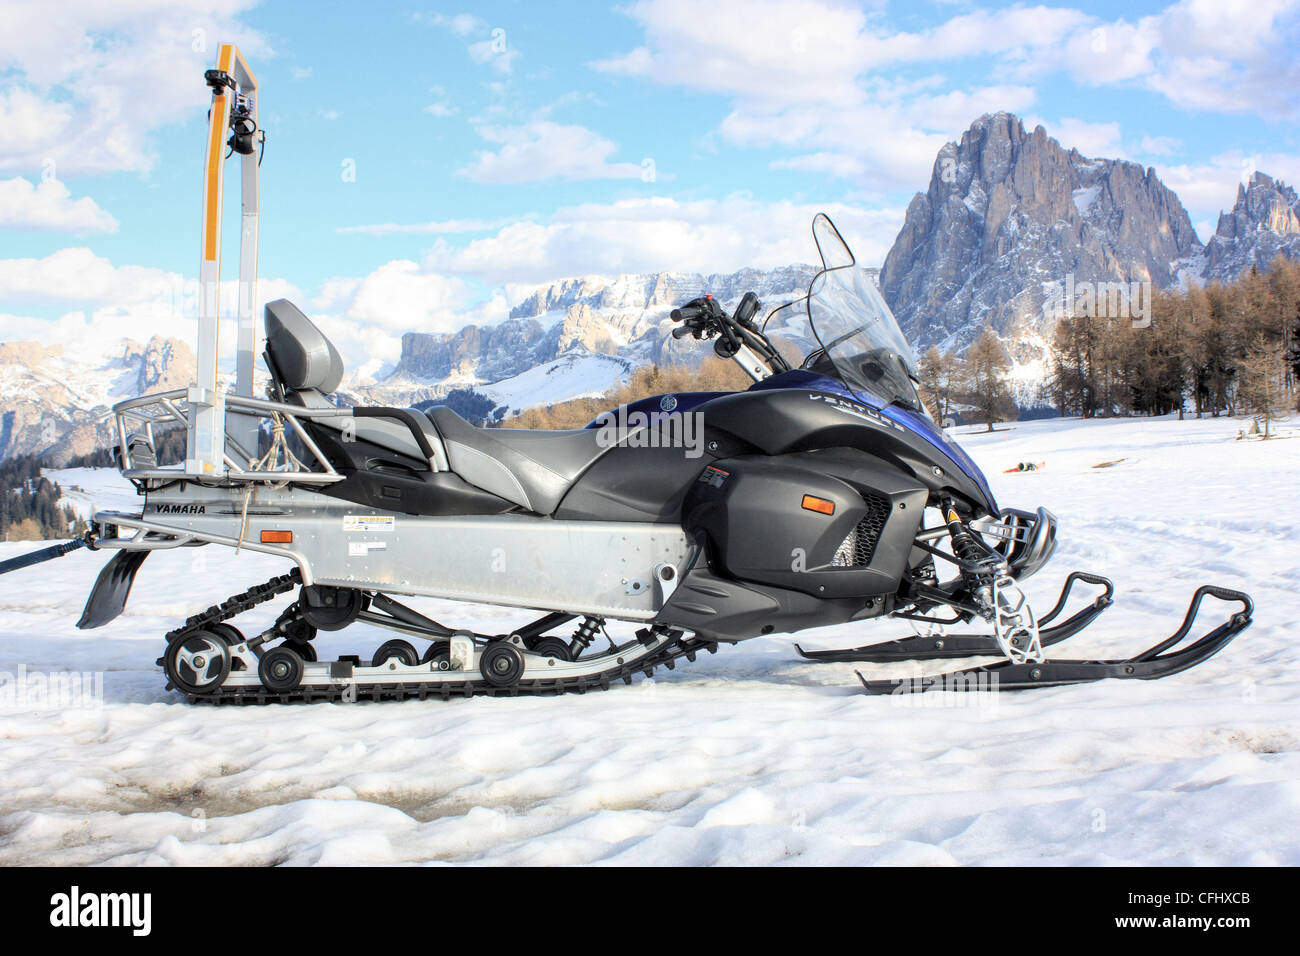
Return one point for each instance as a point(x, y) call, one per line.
point(461, 653)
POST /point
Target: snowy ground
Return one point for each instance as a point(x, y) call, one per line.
point(746, 757)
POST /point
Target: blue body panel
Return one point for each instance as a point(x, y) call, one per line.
point(801, 378)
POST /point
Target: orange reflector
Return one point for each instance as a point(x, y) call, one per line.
point(277, 537)
point(820, 505)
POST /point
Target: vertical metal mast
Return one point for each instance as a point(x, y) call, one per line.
point(232, 122)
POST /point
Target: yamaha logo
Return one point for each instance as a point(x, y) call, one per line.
point(182, 509)
point(667, 403)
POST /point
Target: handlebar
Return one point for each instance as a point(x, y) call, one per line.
point(705, 318)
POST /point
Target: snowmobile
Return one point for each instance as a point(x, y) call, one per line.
point(824, 494)
point(803, 503)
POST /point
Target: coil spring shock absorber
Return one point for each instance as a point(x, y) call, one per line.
point(995, 590)
point(964, 545)
point(587, 632)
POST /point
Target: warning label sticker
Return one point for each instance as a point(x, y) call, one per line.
point(359, 549)
point(369, 522)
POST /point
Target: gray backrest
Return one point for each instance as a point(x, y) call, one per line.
point(304, 357)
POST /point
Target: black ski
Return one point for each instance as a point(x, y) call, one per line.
point(1158, 661)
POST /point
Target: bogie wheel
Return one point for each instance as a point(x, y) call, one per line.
point(439, 655)
point(197, 662)
point(398, 650)
point(553, 647)
point(501, 664)
point(280, 669)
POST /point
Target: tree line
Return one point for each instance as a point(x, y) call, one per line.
point(29, 504)
point(1221, 349)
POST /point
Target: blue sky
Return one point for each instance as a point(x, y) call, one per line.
point(499, 145)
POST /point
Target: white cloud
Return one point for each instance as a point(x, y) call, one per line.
point(49, 205)
point(441, 107)
point(1017, 33)
point(805, 75)
point(89, 82)
point(77, 275)
point(461, 24)
point(399, 296)
point(955, 109)
point(540, 150)
point(646, 235)
point(366, 316)
point(1159, 145)
point(495, 50)
point(815, 75)
point(789, 50)
point(1091, 139)
point(107, 302)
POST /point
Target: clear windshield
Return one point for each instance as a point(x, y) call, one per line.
point(860, 340)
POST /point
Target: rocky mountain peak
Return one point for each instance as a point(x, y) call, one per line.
point(1009, 216)
point(1263, 223)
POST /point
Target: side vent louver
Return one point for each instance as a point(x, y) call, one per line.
point(857, 549)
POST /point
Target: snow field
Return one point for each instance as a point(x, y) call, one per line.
point(749, 756)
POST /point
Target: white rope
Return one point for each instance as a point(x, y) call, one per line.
point(271, 461)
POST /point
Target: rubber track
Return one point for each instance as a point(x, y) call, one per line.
point(666, 656)
point(238, 603)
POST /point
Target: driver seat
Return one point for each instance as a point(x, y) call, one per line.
point(532, 469)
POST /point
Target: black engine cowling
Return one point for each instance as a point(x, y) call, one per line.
point(832, 523)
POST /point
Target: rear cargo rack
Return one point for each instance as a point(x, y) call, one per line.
point(137, 420)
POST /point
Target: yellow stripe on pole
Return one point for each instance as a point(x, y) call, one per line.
point(212, 173)
point(212, 179)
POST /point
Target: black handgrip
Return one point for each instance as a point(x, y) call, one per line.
point(407, 417)
point(686, 313)
point(682, 331)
